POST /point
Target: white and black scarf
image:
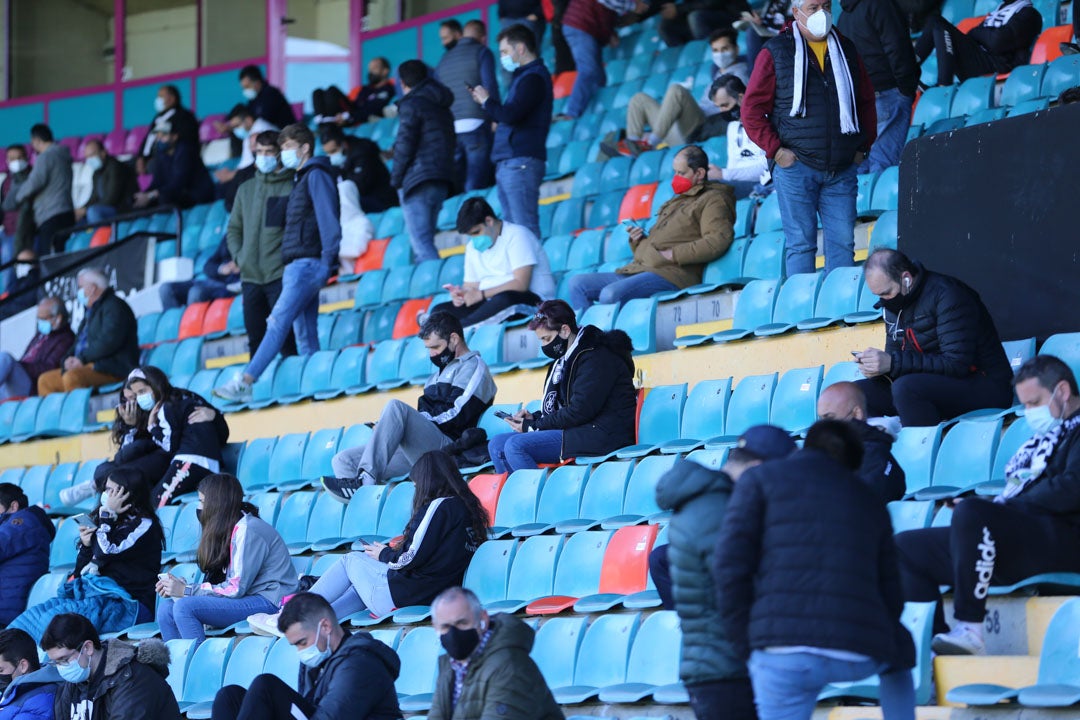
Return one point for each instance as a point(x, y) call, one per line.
point(1004, 13)
point(845, 86)
point(1030, 461)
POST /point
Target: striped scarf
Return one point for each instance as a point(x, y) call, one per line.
point(845, 87)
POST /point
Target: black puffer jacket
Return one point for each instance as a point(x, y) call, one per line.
point(130, 685)
point(424, 147)
point(806, 558)
point(593, 401)
point(879, 469)
point(1009, 44)
point(175, 435)
point(699, 497)
point(1057, 489)
point(356, 681)
point(880, 32)
point(945, 330)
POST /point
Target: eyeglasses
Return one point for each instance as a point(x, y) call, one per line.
point(66, 661)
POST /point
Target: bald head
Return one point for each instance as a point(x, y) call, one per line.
point(842, 401)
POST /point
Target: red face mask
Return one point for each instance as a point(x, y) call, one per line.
point(680, 184)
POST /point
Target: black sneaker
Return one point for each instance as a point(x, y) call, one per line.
point(342, 489)
point(1069, 48)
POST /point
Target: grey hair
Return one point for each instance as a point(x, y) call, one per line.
point(95, 276)
point(454, 593)
point(57, 304)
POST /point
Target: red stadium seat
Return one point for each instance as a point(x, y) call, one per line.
point(191, 322)
point(563, 84)
point(101, 236)
point(487, 489)
point(968, 24)
point(406, 324)
point(637, 203)
point(1046, 47)
point(372, 258)
point(216, 319)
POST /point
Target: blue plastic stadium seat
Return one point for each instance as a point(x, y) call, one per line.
point(254, 466)
point(532, 573)
point(244, 664)
point(577, 575)
point(647, 167)
point(292, 521)
point(601, 498)
point(1028, 106)
point(518, 500)
point(723, 271)
point(886, 190)
point(64, 415)
point(964, 459)
point(179, 659)
point(883, 233)
point(864, 188)
point(425, 279)
point(654, 660)
point(419, 651)
point(585, 249)
point(347, 374)
point(934, 105)
point(974, 94)
point(616, 174)
point(985, 116)
point(956, 10)
point(1023, 83)
point(25, 423)
point(60, 478)
point(1061, 74)
point(601, 316)
point(703, 415)
point(604, 211)
point(795, 301)
point(574, 155)
point(384, 361)
point(768, 216)
point(794, 406)
point(637, 318)
point(206, 671)
point(658, 422)
point(568, 216)
point(324, 521)
point(63, 550)
point(916, 450)
point(184, 540)
point(603, 657)
point(555, 649)
point(148, 328)
point(639, 502)
point(361, 519)
point(283, 662)
point(8, 410)
point(1065, 346)
point(488, 574)
point(560, 499)
point(847, 371)
point(1019, 351)
point(839, 296)
point(1016, 435)
point(910, 514)
point(395, 513)
point(750, 404)
point(753, 308)
point(945, 125)
point(765, 257)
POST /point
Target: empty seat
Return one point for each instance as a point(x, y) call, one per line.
point(768, 216)
point(168, 326)
point(659, 419)
point(419, 652)
point(794, 406)
point(625, 568)
point(838, 296)
point(637, 318)
point(244, 664)
point(639, 502)
point(568, 216)
point(360, 521)
point(578, 573)
point(703, 415)
point(206, 672)
point(1024, 83)
point(637, 203)
point(560, 498)
point(555, 649)
point(585, 250)
point(916, 450)
point(795, 301)
point(602, 658)
point(488, 574)
point(283, 662)
point(654, 660)
point(886, 190)
point(604, 211)
point(1060, 75)
point(964, 459)
point(1048, 45)
point(532, 574)
point(753, 308)
point(348, 373)
point(292, 521)
point(517, 500)
point(974, 94)
point(765, 257)
point(602, 496)
point(254, 469)
point(934, 105)
point(191, 321)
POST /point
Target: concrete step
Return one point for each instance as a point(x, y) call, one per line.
point(1015, 624)
point(873, 712)
point(1008, 670)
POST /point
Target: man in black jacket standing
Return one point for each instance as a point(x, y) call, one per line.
point(880, 33)
point(811, 590)
point(1029, 529)
point(942, 355)
point(423, 170)
point(343, 676)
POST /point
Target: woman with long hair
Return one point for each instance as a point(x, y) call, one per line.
point(245, 562)
point(448, 524)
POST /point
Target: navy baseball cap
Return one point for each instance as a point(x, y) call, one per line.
point(766, 442)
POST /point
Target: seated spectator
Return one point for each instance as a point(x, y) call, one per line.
point(588, 25)
point(372, 100)
point(999, 43)
point(114, 185)
point(1028, 529)
point(118, 560)
point(343, 675)
point(222, 277)
point(454, 398)
point(180, 178)
point(589, 401)
point(680, 118)
point(692, 229)
point(694, 19)
point(265, 101)
point(25, 536)
point(760, 26)
point(18, 229)
point(47, 349)
point(360, 160)
point(880, 471)
point(942, 356)
point(30, 690)
point(505, 267)
point(357, 230)
point(447, 526)
point(189, 429)
point(21, 294)
point(48, 190)
point(107, 679)
point(168, 107)
point(486, 671)
point(748, 169)
point(246, 564)
point(107, 345)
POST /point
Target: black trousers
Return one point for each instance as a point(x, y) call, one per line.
point(268, 698)
point(660, 571)
point(728, 699)
point(924, 399)
point(49, 238)
point(473, 314)
point(331, 101)
point(181, 478)
point(564, 60)
point(987, 544)
point(258, 302)
point(957, 54)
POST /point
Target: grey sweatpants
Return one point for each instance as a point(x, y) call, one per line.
point(401, 436)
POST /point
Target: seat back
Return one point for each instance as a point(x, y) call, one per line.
point(765, 256)
point(287, 459)
point(637, 318)
point(396, 511)
point(532, 572)
point(910, 514)
point(317, 373)
point(1059, 662)
point(179, 659)
point(661, 414)
point(372, 259)
point(191, 321)
point(768, 216)
point(654, 658)
point(847, 371)
point(934, 105)
point(916, 450)
point(407, 322)
point(750, 403)
point(207, 670)
point(754, 304)
point(795, 403)
point(487, 488)
point(216, 318)
point(186, 530)
point(579, 568)
point(326, 518)
point(1019, 351)
point(560, 497)
point(966, 455)
point(605, 650)
point(1048, 46)
point(637, 203)
point(283, 662)
point(384, 361)
point(604, 492)
point(839, 293)
point(419, 651)
point(349, 367)
point(488, 574)
point(362, 513)
point(247, 660)
point(626, 560)
point(292, 521)
point(425, 279)
point(493, 425)
point(1016, 435)
point(369, 288)
point(519, 497)
point(600, 315)
point(705, 410)
point(640, 498)
point(555, 649)
point(797, 298)
point(974, 94)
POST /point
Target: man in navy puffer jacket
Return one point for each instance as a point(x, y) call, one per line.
point(25, 537)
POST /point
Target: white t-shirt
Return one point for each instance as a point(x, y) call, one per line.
point(246, 155)
point(515, 247)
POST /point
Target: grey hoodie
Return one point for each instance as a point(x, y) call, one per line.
point(259, 564)
point(49, 184)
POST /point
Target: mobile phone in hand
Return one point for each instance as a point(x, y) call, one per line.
point(502, 415)
point(83, 520)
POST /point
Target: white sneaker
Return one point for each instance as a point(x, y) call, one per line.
point(964, 639)
point(236, 390)
point(265, 624)
point(75, 494)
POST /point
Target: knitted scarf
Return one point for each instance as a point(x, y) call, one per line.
point(1029, 462)
point(845, 87)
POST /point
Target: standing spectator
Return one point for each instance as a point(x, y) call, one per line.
point(360, 160)
point(17, 221)
point(588, 25)
point(254, 234)
point(998, 44)
point(107, 345)
point(880, 34)
point(423, 172)
point(524, 117)
point(942, 356)
point(811, 613)
point(111, 679)
point(529, 13)
point(264, 100)
point(747, 170)
point(693, 228)
point(454, 398)
point(333, 107)
point(180, 177)
point(505, 266)
point(343, 675)
point(48, 188)
point(589, 397)
point(31, 690)
point(169, 108)
point(245, 127)
point(486, 671)
point(25, 536)
point(114, 185)
point(467, 63)
point(714, 673)
point(309, 250)
point(47, 349)
point(246, 564)
point(810, 107)
point(221, 275)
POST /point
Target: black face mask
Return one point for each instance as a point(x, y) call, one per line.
point(374, 79)
point(556, 348)
point(5, 680)
point(443, 359)
point(459, 644)
point(450, 45)
point(731, 115)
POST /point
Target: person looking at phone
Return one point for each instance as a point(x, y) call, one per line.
point(454, 398)
point(693, 228)
point(25, 536)
point(589, 401)
point(505, 267)
point(448, 524)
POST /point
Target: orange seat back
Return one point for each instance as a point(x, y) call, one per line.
point(637, 202)
point(1046, 47)
point(563, 84)
point(968, 24)
point(626, 560)
point(487, 489)
point(191, 322)
point(101, 236)
point(406, 324)
point(373, 257)
point(216, 318)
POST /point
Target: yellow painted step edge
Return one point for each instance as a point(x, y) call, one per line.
point(1008, 670)
point(227, 360)
point(703, 328)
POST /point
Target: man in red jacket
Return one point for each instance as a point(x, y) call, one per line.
point(48, 347)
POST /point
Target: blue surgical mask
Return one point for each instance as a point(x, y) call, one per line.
point(1041, 419)
point(145, 401)
point(290, 159)
point(266, 163)
point(508, 63)
point(94, 163)
point(337, 159)
point(44, 326)
point(312, 656)
point(481, 243)
point(241, 132)
point(80, 297)
point(73, 672)
point(249, 93)
point(159, 104)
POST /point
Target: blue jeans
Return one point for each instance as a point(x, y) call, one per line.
point(421, 210)
point(525, 451)
point(803, 194)
point(589, 288)
point(184, 618)
point(893, 119)
point(7, 254)
point(297, 307)
point(187, 292)
point(518, 180)
point(99, 213)
point(14, 382)
point(786, 685)
point(472, 158)
point(590, 69)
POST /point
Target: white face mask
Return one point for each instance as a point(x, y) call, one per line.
point(17, 166)
point(724, 58)
point(819, 23)
point(1041, 419)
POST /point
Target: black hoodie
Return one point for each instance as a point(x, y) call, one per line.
point(880, 33)
point(355, 683)
point(425, 143)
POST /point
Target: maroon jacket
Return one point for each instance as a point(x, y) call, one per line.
point(46, 352)
point(591, 17)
